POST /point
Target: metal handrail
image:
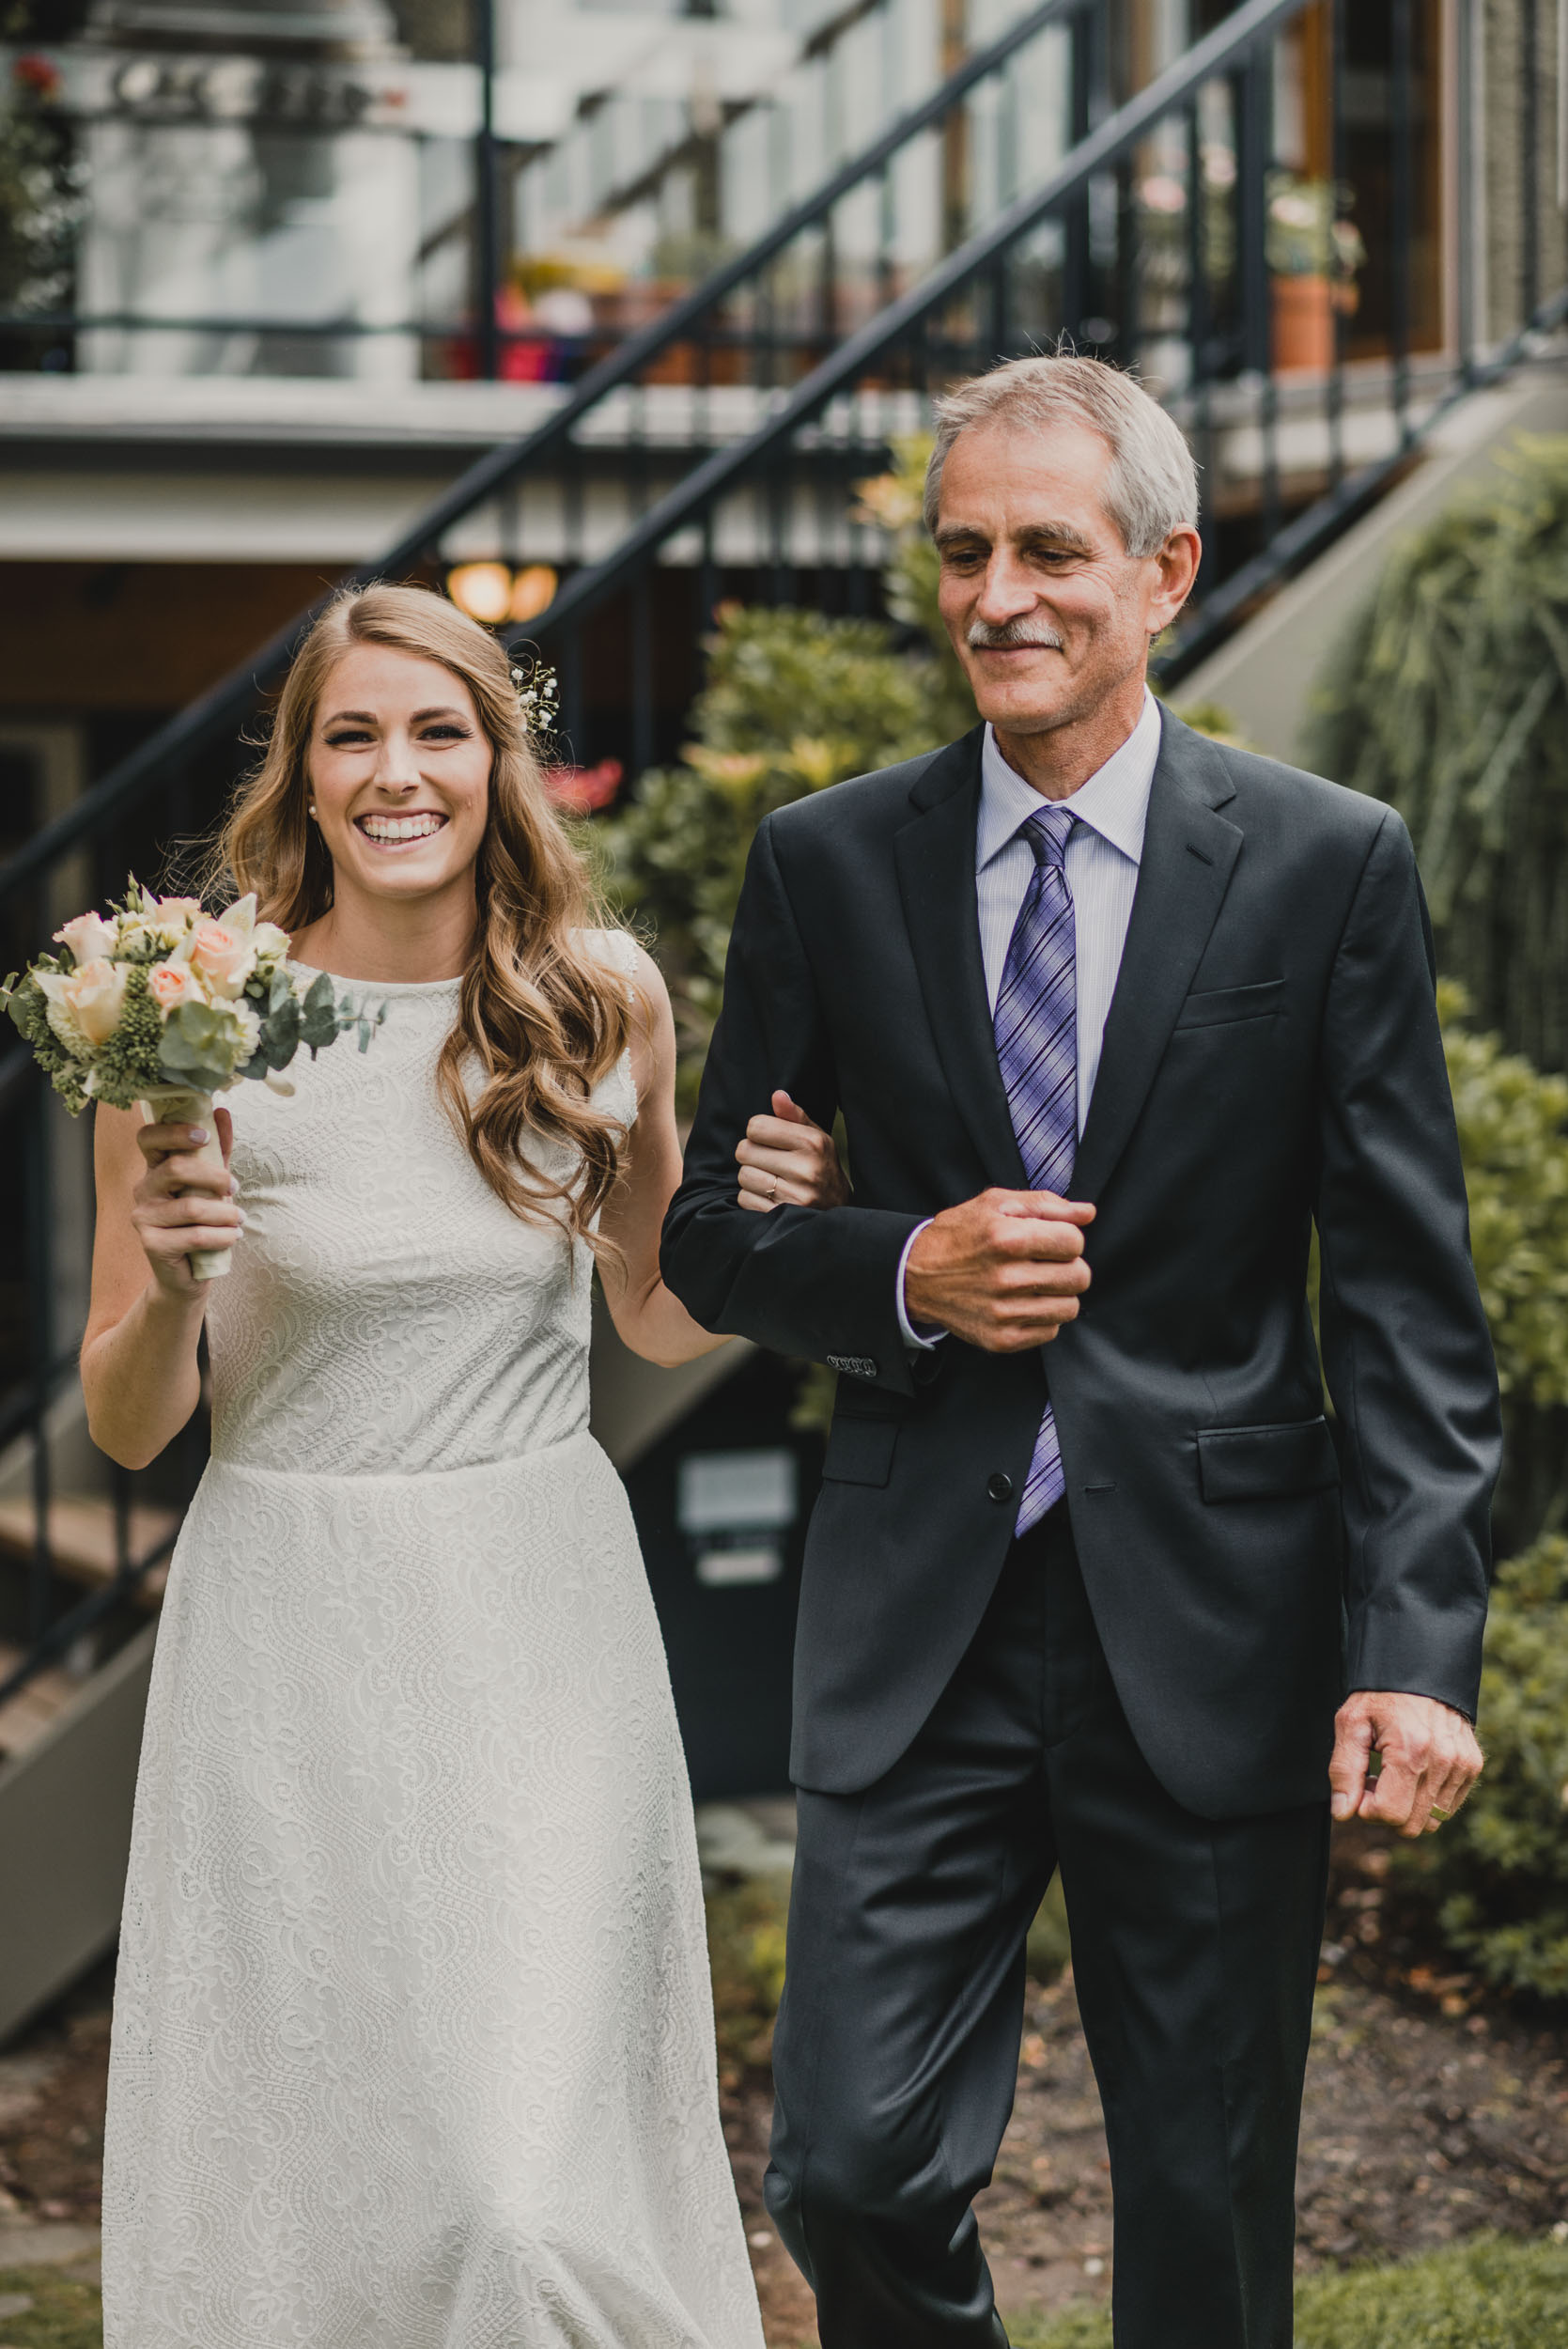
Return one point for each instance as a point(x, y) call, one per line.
point(224, 705)
point(1224, 47)
point(1291, 549)
point(68, 1628)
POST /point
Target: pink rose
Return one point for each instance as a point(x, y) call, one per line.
point(225, 957)
point(172, 983)
point(89, 938)
point(84, 1006)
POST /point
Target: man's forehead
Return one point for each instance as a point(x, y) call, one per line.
point(1045, 481)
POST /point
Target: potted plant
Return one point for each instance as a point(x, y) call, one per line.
point(1314, 253)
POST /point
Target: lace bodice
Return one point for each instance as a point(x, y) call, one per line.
point(386, 1312)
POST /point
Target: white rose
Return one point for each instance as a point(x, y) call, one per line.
point(271, 944)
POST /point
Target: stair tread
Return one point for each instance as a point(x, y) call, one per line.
point(29, 1714)
point(82, 1538)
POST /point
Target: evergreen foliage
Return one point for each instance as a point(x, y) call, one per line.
point(1446, 697)
point(1512, 1136)
point(1496, 1878)
point(793, 702)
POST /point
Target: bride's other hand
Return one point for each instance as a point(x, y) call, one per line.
point(788, 1160)
point(185, 1203)
point(140, 1371)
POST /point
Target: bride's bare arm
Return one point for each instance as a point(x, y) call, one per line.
point(649, 1319)
point(155, 1203)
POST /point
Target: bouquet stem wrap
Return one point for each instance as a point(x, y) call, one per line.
point(168, 1105)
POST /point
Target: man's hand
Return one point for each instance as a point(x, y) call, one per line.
point(1004, 1270)
point(1431, 1760)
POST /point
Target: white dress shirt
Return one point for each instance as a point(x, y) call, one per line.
point(1104, 851)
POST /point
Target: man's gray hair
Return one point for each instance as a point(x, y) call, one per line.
point(1152, 485)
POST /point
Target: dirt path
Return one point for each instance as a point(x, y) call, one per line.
point(1423, 2122)
point(1420, 2125)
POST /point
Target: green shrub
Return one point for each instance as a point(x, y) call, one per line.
point(793, 702)
point(1511, 1137)
point(1481, 2295)
point(1445, 697)
point(1496, 1878)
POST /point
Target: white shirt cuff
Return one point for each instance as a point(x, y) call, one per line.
point(906, 1330)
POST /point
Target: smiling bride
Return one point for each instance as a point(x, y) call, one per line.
point(413, 2043)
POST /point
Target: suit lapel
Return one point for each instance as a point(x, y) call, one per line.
point(1188, 853)
point(935, 855)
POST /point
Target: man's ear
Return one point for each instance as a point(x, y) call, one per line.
point(1178, 560)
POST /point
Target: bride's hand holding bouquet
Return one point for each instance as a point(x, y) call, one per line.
point(159, 1005)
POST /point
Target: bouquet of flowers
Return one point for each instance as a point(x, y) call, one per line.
point(160, 1005)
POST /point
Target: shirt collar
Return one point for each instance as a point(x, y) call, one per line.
point(1114, 801)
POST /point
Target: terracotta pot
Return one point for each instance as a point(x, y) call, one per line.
point(1302, 339)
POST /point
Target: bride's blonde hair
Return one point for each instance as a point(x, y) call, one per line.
point(539, 1013)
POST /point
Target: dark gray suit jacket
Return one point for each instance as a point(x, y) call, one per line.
point(1271, 1058)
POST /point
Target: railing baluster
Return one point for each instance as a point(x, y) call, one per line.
point(1253, 160)
point(1075, 254)
point(1200, 328)
point(1464, 258)
point(1340, 169)
point(1401, 259)
point(1530, 156)
point(487, 257)
point(40, 1335)
point(642, 673)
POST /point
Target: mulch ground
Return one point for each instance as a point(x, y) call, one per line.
point(1431, 2113)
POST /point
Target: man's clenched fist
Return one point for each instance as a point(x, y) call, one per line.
point(1004, 1270)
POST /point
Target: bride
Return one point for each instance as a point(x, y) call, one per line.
point(413, 2045)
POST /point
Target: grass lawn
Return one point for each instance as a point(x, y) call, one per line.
point(1483, 2294)
point(64, 2314)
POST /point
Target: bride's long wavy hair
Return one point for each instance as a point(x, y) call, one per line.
point(541, 1016)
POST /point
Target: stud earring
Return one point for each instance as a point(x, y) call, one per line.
point(310, 811)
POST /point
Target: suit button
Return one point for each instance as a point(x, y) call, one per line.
point(999, 1486)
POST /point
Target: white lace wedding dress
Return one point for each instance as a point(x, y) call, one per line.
point(414, 2041)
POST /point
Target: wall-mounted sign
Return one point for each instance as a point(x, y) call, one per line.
point(735, 1508)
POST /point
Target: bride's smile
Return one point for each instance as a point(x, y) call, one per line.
point(396, 832)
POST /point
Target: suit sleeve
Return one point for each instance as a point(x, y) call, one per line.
point(818, 1282)
point(1406, 1350)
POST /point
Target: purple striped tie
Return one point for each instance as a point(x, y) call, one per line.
point(1036, 1033)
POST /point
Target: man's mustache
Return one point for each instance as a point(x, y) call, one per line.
point(1012, 636)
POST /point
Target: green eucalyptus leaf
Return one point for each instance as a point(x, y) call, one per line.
point(318, 1015)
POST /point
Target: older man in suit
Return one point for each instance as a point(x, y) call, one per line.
point(1116, 1016)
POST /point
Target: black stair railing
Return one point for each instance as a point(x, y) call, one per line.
point(1155, 240)
point(691, 325)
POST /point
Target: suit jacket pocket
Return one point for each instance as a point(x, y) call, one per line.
point(860, 1450)
point(1211, 1007)
point(1264, 1463)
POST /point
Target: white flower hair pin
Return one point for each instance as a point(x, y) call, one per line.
point(538, 691)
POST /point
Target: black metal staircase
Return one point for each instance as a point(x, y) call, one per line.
point(1150, 240)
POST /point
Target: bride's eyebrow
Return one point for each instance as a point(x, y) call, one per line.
point(368, 718)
